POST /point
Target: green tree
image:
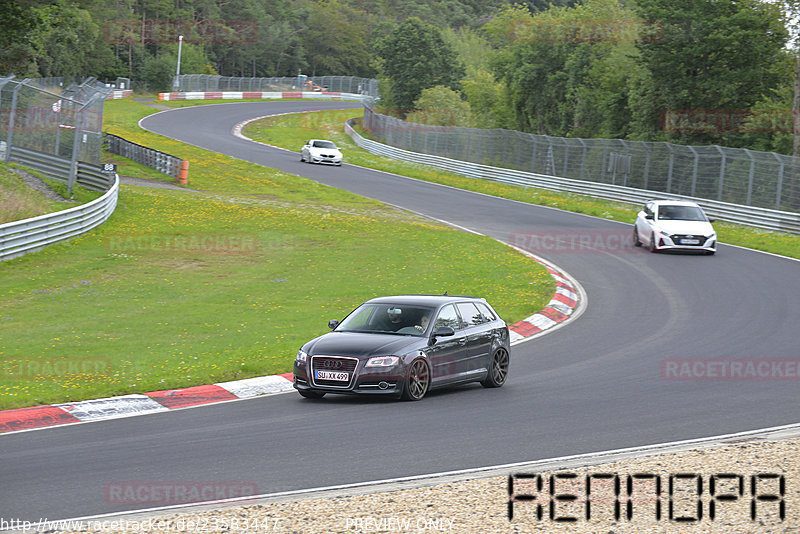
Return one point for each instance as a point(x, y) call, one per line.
point(711, 55)
point(414, 57)
point(569, 71)
point(18, 37)
point(336, 40)
point(440, 106)
point(158, 72)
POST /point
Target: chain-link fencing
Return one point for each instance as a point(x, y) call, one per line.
point(731, 175)
point(332, 84)
point(43, 116)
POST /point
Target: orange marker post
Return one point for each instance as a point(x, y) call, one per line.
point(184, 173)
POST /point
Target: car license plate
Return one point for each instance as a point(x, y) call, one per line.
point(332, 375)
point(690, 241)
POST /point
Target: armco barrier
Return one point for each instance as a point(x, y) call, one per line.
point(748, 215)
point(149, 157)
point(20, 237)
point(258, 95)
point(88, 175)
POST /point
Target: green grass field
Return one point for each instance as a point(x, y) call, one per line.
point(182, 288)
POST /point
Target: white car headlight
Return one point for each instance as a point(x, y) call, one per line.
point(301, 356)
point(382, 361)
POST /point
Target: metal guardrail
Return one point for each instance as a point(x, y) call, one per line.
point(88, 175)
point(20, 237)
point(749, 215)
point(214, 83)
point(155, 159)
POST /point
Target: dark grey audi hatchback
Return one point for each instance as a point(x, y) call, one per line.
point(405, 346)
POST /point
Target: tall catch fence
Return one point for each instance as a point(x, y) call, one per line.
point(55, 129)
point(730, 175)
point(334, 84)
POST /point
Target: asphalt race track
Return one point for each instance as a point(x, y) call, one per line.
point(594, 385)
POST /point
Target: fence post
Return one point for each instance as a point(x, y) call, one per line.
point(12, 118)
point(694, 168)
point(780, 182)
point(750, 178)
point(721, 172)
point(669, 171)
point(647, 164)
point(583, 158)
point(73, 163)
point(625, 164)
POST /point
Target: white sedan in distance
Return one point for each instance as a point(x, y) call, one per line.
point(674, 225)
point(321, 151)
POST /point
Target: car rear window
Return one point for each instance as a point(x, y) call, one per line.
point(470, 314)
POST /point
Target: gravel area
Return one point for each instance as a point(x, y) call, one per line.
point(34, 182)
point(150, 182)
point(481, 505)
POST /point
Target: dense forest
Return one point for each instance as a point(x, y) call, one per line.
point(702, 72)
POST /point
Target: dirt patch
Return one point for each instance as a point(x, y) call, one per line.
point(34, 182)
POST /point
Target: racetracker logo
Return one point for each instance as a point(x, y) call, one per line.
point(168, 31)
point(574, 242)
point(587, 31)
point(204, 244)
point(40, 369)
point(164, 493)
point(730, 369)
point(716, 121)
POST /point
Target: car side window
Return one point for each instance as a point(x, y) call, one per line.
point(448, 317)
point(486, 311)
point(470, 314)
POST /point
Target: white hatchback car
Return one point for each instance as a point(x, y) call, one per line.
point(321, 151)
point(674, 225)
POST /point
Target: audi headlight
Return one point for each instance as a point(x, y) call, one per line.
point(301, 357)
point(382, 361)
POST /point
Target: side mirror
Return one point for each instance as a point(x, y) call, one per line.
point(333, 323)
point(444, 331)
point(711, 219)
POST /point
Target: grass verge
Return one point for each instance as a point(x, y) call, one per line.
point(19, 201)
point(181, 288)
point(291, 131)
